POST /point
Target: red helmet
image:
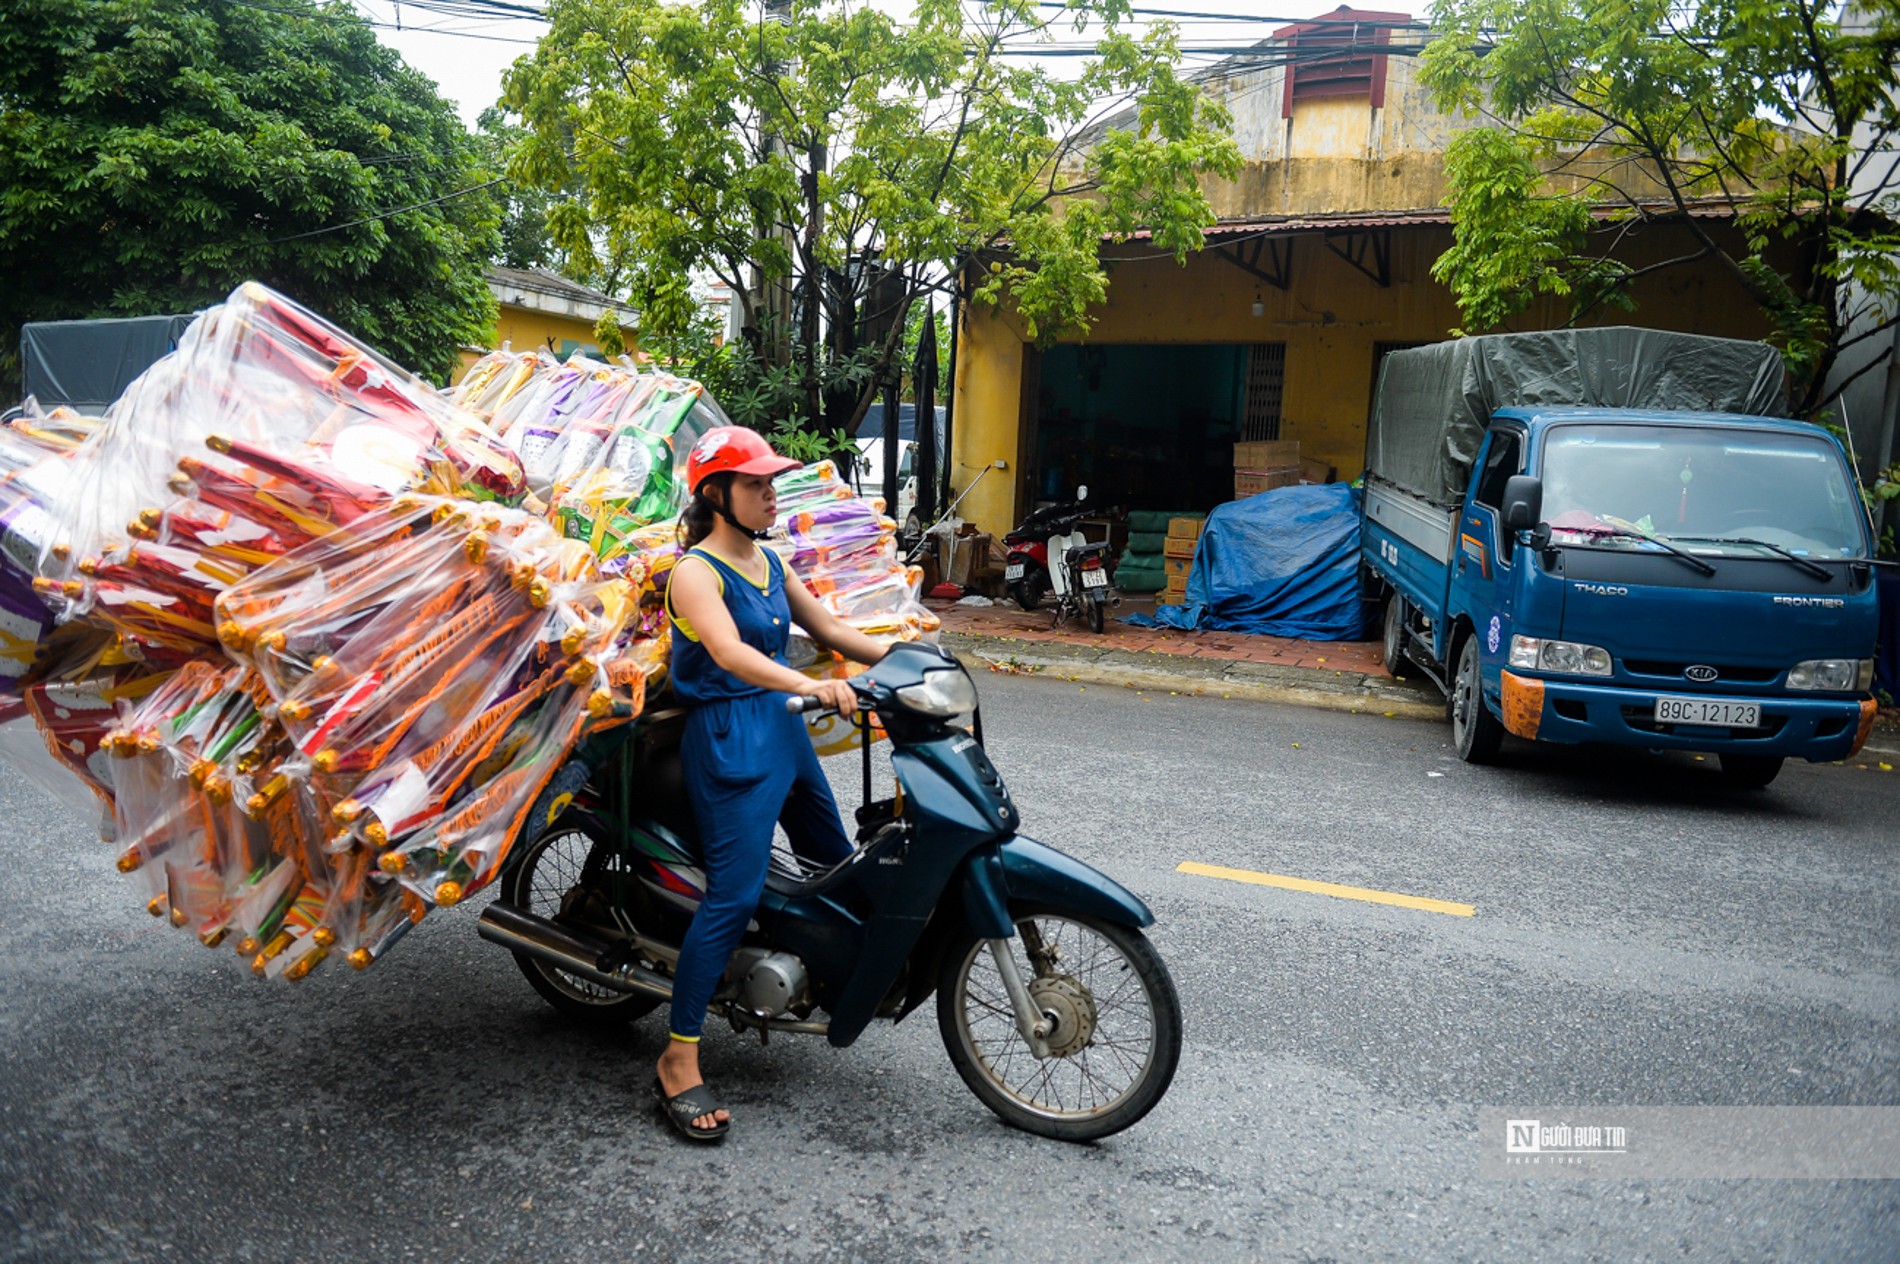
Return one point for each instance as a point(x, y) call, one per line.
point(732, 448)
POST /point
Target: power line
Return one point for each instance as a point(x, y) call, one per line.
point(400, 210)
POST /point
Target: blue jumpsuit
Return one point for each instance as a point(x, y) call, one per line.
point(748, 762)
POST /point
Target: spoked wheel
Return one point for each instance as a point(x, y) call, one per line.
point(1475, 732)
point(560, 877)
point(1115, 1024)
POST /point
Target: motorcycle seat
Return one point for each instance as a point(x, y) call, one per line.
point(780, 878)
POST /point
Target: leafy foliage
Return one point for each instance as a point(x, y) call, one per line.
point(856, 163)
point(156, 153)
point(1642, 106)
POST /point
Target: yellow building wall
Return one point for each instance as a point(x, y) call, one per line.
point(1329, 317)
point(523, 330)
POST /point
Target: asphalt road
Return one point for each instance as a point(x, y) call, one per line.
point(1641, 936)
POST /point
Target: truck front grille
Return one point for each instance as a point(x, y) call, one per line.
point(1729, 675)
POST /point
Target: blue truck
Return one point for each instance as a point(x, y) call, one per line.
point(1609, 536)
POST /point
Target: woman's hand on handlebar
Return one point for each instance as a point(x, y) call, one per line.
point(835, 695)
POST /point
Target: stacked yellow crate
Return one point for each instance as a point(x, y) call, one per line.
point(1177, 557)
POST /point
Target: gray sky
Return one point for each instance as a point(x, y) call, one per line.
point(467, 55)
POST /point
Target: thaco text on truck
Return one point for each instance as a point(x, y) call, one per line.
point(1609, 536)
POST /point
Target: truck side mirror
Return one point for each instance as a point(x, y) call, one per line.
point(1523, 502)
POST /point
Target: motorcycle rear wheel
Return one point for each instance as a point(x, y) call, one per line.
point(552, 880)
point(1028, 590)
point(1117, 1036)
point(1096, 608)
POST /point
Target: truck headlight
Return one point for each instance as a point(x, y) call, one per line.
point(1833, 675)
point(1569, 658)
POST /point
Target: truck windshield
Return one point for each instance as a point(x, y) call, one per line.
point(1719, 491)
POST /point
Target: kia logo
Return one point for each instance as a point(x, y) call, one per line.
point(1700, 674)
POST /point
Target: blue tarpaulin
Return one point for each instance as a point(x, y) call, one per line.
point(1283, 563)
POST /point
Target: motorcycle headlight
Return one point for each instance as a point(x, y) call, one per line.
point(943, 692)
point(1833, 675)
point(1566, 657)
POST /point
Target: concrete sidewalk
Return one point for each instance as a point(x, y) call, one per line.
point(1342, 675)
point(1339, 675)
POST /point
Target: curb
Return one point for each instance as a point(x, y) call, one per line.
point(1354, 692)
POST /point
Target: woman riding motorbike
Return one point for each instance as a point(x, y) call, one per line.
point(746, 759)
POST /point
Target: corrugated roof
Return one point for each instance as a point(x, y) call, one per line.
point(545, 282)
point(1287, 225)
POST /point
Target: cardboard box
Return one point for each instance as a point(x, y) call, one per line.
point(1167, 597)
point(1175, 566)
point(1314, 470)
point(1185, 528)
point(969, 555)
point(1266, 454)
point(1253, 482)
point(1177, 586)
point(1174, 548)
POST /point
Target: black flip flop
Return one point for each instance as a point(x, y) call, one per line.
point(683, 1108)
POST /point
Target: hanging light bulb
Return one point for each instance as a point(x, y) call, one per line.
point(1259, 308)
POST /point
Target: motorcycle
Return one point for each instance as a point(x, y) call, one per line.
point(1080, 575)
point(1054, 1008)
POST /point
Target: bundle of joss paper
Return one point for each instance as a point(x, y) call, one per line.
point(319, 637)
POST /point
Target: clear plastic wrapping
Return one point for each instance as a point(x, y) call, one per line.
point(318, 637)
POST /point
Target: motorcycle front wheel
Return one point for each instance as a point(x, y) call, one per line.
point(1115, 1026)
point(560, 877)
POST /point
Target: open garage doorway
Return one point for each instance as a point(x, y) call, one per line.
point(1151, 426)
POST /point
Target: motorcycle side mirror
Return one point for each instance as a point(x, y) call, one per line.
point(1082, 493)
point(1523, 502)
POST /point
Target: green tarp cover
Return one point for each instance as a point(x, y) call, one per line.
point(86, 364)
point(1433, 403)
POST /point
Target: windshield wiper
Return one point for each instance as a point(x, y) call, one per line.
point(1809, 565)
point(1621, 533)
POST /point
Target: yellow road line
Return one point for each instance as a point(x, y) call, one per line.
point(1327, 888)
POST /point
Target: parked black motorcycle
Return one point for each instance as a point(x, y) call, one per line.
point(1048, 553)
point(1054, 1008)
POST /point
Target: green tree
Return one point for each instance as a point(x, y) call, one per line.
point(525, 239)
point(856, 163)
point(1642, 106)
point(156, 153)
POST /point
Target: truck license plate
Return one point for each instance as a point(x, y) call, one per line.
point(1734, 715)
point(1094, 579)
point(1013, 572)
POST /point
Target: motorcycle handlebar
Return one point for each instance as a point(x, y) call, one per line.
point(799, 704)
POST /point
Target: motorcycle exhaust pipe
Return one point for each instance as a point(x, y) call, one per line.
point(520, 931)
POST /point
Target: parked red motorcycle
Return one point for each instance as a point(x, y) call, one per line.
point(1081, 575)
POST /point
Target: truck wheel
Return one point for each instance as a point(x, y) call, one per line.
point(1749, 772)
point(1394, 648)
point(1475, 732)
